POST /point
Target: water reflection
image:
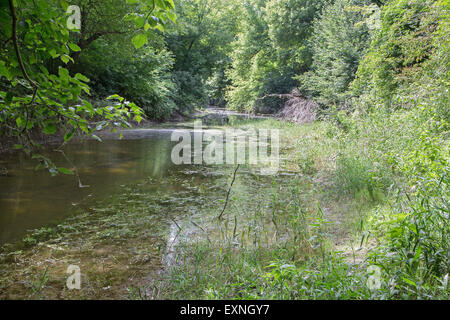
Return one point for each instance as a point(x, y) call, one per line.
point(30, 199)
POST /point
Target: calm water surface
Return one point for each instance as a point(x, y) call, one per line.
point(30, 199)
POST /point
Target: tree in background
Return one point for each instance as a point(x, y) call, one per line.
point(110, 59)
point(100, 19)
point(270, 49)
point(289, 26)
point(140, 75)
point(339, 41)
point(38, 93)
point(200, 43)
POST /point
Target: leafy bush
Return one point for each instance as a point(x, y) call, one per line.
point(416, 257)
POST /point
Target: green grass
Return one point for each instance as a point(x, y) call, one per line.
point(375, 214)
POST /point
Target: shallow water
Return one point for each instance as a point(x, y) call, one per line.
point(32, 198)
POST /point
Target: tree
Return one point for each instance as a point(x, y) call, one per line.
point(406, 43)
point(271, 48)
point(339, 41)
point(290, 26)
point(200, 43)
point(100, 18)
point(36, 99)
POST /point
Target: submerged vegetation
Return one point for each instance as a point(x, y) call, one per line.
point(360, 206)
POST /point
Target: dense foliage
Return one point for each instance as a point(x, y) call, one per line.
point(200, 43)
point(39, 92)
point(338, 43)
point(379, 70)
point(271, 48)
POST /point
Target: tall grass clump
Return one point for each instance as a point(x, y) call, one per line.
point(353, 176)
point(416, 253)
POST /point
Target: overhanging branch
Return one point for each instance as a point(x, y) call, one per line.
point(17, 50)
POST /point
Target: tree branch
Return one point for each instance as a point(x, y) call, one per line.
point(153, 9)
point(294, 93)
point(228, 193)
point(17, 50)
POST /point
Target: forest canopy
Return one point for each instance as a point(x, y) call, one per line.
point(234, 53)
point(156, 59)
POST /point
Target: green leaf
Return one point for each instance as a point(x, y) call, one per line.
point(172, 4)
point(69, 134)
point(53, 53)
point(139, 40)
point(65, 170)
point(171, 16)
point(64, 59)
point(408, 281)
point(81, 77)
point(50, 128)
point(44, 70)
point(139, 22)
point(64, 5)
point(161, 4)
point(63, 73)
point(115, 96)
point(96, 138)
point(74, 47)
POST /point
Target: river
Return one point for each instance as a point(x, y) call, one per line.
point(31, 198)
